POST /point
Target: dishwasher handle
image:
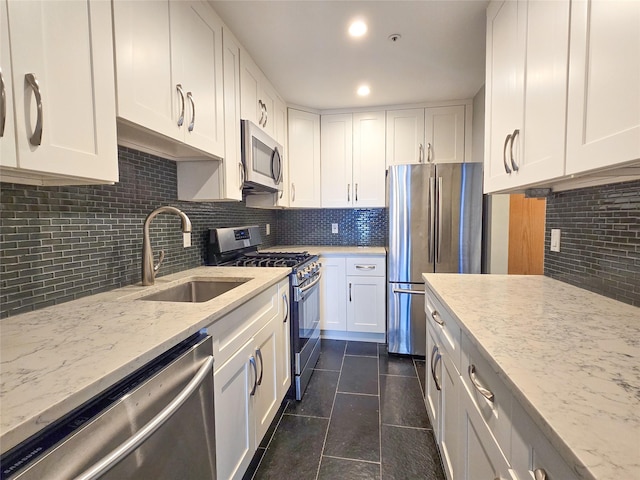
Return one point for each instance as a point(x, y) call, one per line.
point(119, 453)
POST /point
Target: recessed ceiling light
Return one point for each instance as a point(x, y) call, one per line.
point(357, 28)
point(364, 90)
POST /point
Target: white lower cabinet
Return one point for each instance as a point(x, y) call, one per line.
point(482, 432)
point(353, 297)
point(249, 381)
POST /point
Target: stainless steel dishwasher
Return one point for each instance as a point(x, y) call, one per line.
point(158, 423)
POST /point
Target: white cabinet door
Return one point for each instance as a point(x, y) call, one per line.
point(67, 47)
point(603, 119)
point(432, 382)
point(369, 171)
point(304, 158)
point(8, 157)
point(450, 392)
point(232, 163)
point(269, 98)
point(333, 294)
point(266, 400)
point(366, 304)
point(283, 332)
point(235, 428)
point(336, 153)
point(147, 83)
point(405, 136)
point(445, 134)
point(280, 125)
point(197, 54)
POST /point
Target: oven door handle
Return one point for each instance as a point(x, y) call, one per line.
point(307, 287)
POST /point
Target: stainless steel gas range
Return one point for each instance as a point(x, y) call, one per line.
point(239, 247)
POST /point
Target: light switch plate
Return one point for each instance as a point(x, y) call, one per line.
point(555, 239)
point(334, 228)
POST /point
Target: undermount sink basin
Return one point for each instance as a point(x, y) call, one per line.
point(195, 291)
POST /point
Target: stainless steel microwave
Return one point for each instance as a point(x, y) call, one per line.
point(261, 159)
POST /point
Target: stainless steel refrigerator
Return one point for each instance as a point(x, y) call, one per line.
point(435, 225)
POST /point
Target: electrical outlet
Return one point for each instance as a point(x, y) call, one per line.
point(555, 239)
point(268, 229)
point(334, 228)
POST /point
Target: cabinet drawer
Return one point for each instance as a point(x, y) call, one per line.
point(531, 451)
point(495, 411)
point(366, 265)
point(446, 327)
point(232, 331)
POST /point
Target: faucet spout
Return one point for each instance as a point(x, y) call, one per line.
point(148, 269)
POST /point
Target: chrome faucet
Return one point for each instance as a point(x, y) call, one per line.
point(148, 269)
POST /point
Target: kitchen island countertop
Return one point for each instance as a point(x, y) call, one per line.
point(569, 356)
point(54, 359)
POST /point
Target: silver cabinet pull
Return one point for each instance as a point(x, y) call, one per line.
point(181, 92)
point(356, 192)
point(348, 192)
point(266, 114)
point(365, 267)
point(429, 153)
point(285, 300)
point(420, 153)
point(486, 393)
point(410, 292)
point(438, 319)
point(3, 108)
point(259, 355)
point(241, 167)
point(540, 474)
point(293, 192)
point(504, 154)
point(98, 469)
point(349, 291)
point(439, 244)
point(515, 133)
point(193, 111)
point(252, 361)
point(261, 105)
point(36, 137)
point(435, 358)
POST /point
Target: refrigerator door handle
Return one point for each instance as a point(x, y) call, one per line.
point(410, 292)
point(439, 243)
point(432, 216)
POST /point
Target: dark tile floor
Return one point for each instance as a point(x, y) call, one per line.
point(362, 417)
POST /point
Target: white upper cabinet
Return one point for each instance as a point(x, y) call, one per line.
point(353, 160)
point(304, 158)
point(258, 96)
point(423, 135)
point(603, 119)
point(169, 76)
point(59, 125)
point(527, 57)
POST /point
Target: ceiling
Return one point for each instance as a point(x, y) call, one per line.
point(304, 49)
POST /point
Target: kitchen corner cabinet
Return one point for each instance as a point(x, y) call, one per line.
point(353, 296)
point(423, 135)
point(169, 78)
point(57, 78)
point(353, 160)
point(248, 377)
point(526, 92)
point(603, 116)
point(304, 158)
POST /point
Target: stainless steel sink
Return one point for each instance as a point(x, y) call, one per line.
point(195, 291)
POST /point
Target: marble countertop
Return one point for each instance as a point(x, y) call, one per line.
point(55, 359)
point(329, 250)
point(570, 357)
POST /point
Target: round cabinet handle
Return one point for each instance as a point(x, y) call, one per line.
point(259, 355)
point(193, 111)
point(540, 474)
point(285, 300)
point(252, 361)
point(485, 392)
point(515, 133)
point(36, 137)
point(438, 319)
point(181, 92)
point(504, 154)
